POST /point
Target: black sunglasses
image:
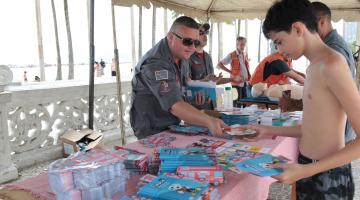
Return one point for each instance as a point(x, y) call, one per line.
point(187, 41)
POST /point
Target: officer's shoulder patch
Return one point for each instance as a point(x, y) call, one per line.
point(162, 75)
point(164, 87)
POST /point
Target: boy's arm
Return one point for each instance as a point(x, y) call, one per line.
point(263, 131)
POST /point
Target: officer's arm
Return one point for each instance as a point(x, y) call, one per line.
point(191, 115)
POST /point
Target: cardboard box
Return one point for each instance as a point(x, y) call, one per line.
point(71, 140)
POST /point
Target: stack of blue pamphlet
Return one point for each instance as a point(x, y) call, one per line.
point(238, 119)
point(170, 188)
point(171, 158)
point(260, 165)
point(189, 129)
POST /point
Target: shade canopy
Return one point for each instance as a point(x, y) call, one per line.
point(228, 10)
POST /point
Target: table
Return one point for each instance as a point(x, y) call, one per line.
point(237, 186)
point(262, 102)
point(240, 186)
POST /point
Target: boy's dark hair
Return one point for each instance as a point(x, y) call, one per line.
point(240, 38)
point(283, 14)
point(184, 21)
point(320, 9)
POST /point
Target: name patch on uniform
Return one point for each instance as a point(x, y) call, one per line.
point(164, 87)
point(161, 75)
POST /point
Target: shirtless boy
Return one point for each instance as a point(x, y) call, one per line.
point(330, 94)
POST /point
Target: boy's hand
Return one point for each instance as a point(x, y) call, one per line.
point(292, 172)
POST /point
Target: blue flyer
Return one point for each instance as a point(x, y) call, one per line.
point(260, 165)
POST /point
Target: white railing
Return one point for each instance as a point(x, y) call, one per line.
point(39, 113)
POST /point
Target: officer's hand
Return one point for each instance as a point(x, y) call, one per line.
point(216, 126)
point(200, 98)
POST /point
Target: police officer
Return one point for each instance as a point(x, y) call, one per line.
point(239, 67)
point(200, 62)
point(157, 83)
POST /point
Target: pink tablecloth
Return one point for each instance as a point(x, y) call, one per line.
point(243, 186)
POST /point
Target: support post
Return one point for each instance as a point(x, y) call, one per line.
point(8, 171)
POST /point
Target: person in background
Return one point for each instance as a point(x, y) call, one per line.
point(330, 96)
point(102, 63)
point(336, 42)
point(239, 67)
point(113, 67)
point(25, 77)
point(99, 69)
point(37, 79)
point(276, 68)
point(159, 76)
point(201, 66)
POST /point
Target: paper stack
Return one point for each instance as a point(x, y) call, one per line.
point(97, 174)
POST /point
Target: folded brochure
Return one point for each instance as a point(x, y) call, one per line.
point(260, 166)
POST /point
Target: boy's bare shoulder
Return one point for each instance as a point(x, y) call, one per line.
point(332, 61)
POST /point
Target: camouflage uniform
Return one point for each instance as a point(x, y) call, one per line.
point(334, 184)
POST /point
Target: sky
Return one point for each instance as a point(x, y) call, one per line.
point(18, 37)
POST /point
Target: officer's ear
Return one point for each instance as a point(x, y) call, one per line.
point(170, 36)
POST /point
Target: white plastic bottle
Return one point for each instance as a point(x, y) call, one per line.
point(220, 99)
point(228, 101)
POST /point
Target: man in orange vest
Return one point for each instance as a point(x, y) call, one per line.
point(239, 67)
point(275, 69)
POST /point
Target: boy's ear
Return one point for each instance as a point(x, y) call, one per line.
point(321, 21)
point(298, 27)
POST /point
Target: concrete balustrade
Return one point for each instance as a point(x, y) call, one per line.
point(35, 115)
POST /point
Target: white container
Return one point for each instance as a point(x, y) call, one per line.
point(228, 100)
point(220, 104)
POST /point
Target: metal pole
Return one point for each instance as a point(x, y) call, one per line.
point(40, 41)
point(91, 65)
point(118, 79)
